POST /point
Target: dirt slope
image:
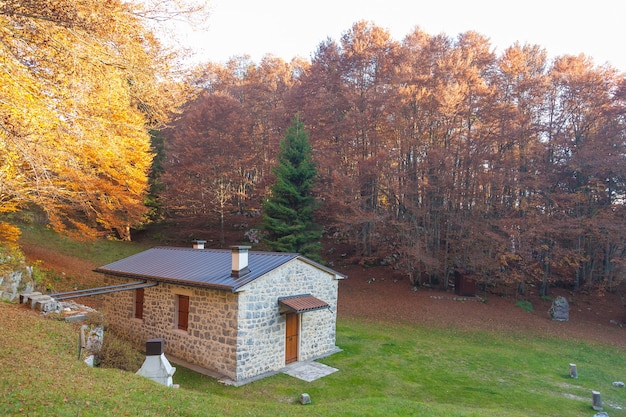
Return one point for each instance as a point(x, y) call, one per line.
point(389, 297)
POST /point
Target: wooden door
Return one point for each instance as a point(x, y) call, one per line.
point(291, 338)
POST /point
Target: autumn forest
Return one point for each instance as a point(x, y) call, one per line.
point(433, 152)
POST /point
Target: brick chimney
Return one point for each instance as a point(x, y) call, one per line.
point(199, 244)
point(240, 261)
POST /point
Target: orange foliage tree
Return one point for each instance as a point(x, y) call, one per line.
point(81, 84)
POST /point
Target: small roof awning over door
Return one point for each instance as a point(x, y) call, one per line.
point(301, 304)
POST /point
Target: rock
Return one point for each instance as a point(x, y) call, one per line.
point(93, 337)
point(559, 311)
point(619, 384)
point(305, 399)
point(89, 360)
point(602, 414)
point(14, 283)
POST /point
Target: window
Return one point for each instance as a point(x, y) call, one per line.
point(182, 317)
point(139, 303)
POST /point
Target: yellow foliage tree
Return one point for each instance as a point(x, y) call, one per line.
point(82, 83)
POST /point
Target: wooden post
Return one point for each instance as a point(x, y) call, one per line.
point(597, 401)
point(573, 373)
point(82, 340)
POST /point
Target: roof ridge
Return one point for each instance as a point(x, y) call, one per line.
point(188, 248)
point(260, 252)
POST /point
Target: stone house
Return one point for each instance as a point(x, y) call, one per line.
point(238, 314)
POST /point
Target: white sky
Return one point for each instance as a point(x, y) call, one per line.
point(286, 28)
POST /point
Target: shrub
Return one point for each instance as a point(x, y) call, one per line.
point(96, 318)
point(525, 305)
point(119, 353)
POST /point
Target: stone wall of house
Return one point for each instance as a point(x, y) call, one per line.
point(211, 338)
point(261, 342)
point(239, 335)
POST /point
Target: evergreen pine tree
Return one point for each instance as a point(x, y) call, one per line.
point(288, 209)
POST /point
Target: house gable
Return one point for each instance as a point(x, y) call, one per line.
point(261, 342)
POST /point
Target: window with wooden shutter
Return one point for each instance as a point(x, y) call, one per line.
point(139, 303)
point(183, 312)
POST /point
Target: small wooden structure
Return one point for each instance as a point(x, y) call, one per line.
point(464, 285)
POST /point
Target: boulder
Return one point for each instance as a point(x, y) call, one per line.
point(14, 283)
point(559, 311)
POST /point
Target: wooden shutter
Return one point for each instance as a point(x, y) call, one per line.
point(183, 312)
point(139, 303)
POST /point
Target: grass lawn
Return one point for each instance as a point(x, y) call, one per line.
point(98, 251)
point(384, 369)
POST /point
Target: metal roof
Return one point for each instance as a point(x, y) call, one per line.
point(302, 303)
point(200, 267)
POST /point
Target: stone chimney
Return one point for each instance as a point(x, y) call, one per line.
point(240, 261)
point(199, 244)
point(156, 366)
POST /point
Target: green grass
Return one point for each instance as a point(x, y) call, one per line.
point(98, 251)
point(525, 305)
point(384, 369)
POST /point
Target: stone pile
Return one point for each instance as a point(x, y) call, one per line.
point(70, 310)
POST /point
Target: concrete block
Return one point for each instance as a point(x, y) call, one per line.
point(76, 317)
point(24, 298)
point(46, 305)
point(39, 299)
